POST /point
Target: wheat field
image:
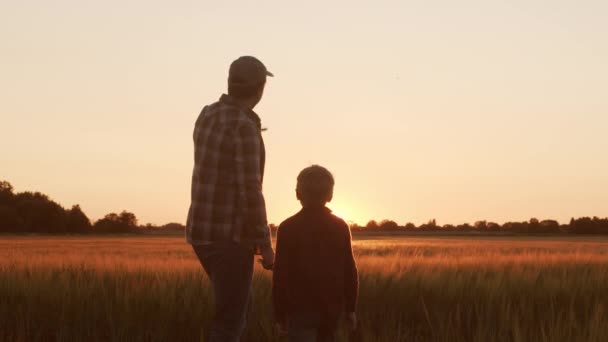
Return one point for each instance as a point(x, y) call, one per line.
point(411, 289)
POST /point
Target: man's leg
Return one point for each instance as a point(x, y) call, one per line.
point(230, 269)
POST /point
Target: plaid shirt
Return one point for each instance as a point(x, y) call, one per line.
point(227, 203)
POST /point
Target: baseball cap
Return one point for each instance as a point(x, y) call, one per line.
point(248, 70)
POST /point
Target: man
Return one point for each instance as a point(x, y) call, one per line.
point(227, 222)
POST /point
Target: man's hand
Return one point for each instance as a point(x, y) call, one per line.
point(267, 257)
point(351, 321)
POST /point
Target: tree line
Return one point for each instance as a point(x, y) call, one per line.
point(583, 225)
point(34, 212)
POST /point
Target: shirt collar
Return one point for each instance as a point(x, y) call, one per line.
point(230, 101)
point(316, 209)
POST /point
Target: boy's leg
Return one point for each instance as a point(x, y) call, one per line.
point(230, 269)
point(328, 326)
point(303, 327)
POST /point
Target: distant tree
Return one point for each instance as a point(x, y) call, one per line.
point(125, 222)
point(169, 228)
point(354, 227)
point(507, 227)
point(40, 214)
point(523, 227)
point(493, 227)
point(371, 225)
point(388, 225)
point(178, 227)
point(583, 225)
point(587, 225)
point(448, 227)
point(430, 226)
point(128, 219)
point(534, 226)
point(601, 224)
point(77, 221)
point(6, 186)
point(481, 226)
point(549, 226)
point(464, 227)
point(9, 219)
point(410, 226)
point(7, 197)
point(10, 222)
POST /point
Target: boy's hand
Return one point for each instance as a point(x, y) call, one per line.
point(351, 321)
point(267, 257)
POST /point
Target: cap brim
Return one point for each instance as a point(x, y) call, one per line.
point(269, 74)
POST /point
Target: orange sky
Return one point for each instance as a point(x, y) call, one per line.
point(457, 111)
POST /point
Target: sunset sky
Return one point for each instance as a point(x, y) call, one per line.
point(453, 110)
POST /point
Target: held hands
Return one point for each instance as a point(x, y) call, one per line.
point(267, 260)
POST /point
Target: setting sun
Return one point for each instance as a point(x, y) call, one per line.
point(347, 211)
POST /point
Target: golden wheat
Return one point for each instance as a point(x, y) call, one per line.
point(412, 289)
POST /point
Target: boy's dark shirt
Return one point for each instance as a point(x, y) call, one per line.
point(314, 268)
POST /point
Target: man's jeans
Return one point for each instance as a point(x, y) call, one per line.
point(230, 268)
point(312, 326)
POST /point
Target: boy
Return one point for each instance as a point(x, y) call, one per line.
point(315, 277)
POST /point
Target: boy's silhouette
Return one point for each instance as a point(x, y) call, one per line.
point(315, 277)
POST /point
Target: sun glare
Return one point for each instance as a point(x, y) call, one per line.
point(345, 212)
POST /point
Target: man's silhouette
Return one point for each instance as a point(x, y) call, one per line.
point(227, 221)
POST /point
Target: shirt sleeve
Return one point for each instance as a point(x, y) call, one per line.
point(351, 277)
point(248, 154)
point(280, 278)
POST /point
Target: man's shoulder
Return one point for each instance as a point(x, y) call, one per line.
point(227, 112)
point(220, 118)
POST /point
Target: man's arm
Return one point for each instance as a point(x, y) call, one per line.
point(248, 151)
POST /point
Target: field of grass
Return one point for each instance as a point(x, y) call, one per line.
point(412, 289)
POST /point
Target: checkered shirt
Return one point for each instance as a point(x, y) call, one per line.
point(227, 203)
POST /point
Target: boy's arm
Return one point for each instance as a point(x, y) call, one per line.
point(280, 278)
point(248, 151)
point(351, 276)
